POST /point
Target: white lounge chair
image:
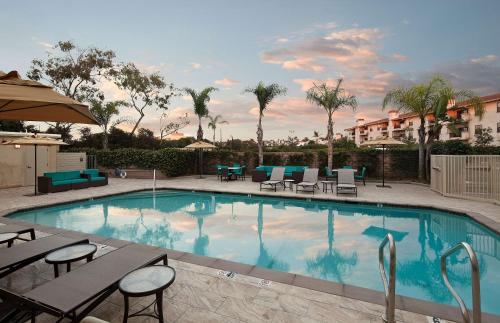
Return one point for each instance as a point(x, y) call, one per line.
point(277, 176)
point(345, 182)
point(309, 181)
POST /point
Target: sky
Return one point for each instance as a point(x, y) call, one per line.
point(373, 45)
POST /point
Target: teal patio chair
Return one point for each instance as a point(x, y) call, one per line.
point(347, 167)
point(240, 172)
point(329, 175)
point(361, 176)
point(219, 168)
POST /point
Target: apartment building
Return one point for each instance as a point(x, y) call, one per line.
point(405, 125)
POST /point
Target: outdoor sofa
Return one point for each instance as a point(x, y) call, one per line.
point(70, 180)
point(263, 173)
point(75, 294)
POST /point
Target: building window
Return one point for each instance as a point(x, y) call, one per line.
point(477, 129)
point(410, 123)
point(498, 127)
point(498, 106)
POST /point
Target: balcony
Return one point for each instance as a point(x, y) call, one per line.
point(465, 117)
point(383, 129)
point(464, 135)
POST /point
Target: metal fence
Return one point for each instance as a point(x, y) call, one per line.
point(470, 176)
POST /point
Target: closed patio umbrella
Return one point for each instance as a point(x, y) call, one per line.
point(32, 101)
point(200, 145)
point(35, 141)
point(383, 142)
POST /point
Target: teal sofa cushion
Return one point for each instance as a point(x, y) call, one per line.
point(92, 172)
point(79, 180)
point(97, 178)
point(63, 182)
point(72, 174)
point(55, 176)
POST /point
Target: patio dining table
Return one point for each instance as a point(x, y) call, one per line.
point(337, 169)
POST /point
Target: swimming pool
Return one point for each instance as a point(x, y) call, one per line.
point(321, 239)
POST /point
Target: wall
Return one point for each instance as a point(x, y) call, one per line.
point(71, 161)
point(12, 166)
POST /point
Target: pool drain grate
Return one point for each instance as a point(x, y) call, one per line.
point(435, 320)
point(226, 274)
point(264, 283)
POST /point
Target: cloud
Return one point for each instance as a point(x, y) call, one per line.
point(195, 66)
point(282, 40)
point(354, 48)
point(111, 91)
point(484, 59)
point(399, 57)
point(225, 82)
point(405, 22)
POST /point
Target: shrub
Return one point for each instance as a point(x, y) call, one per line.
point(452, 147)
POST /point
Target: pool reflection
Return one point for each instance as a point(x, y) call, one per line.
point(326, 240)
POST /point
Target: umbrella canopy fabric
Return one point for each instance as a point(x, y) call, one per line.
point(382, 141)
point(200, 145)
point(32, 101)
point(35, 140)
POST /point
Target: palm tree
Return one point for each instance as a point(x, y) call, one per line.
point(265, 94)
point(448, 95)
point(331, 99)
point(214, 121)
point(418, 99)
point(200, 101)
point(103, 112)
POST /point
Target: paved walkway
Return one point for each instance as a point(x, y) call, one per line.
point(202, 294)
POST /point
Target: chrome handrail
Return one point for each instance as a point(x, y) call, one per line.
point(389, 286)
point(476, 294)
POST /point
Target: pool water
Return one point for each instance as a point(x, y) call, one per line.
point(321, 239)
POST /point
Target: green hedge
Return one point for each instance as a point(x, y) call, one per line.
point(172, 162)
point(457, 147)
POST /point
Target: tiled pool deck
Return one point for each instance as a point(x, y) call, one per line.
point(201, 294)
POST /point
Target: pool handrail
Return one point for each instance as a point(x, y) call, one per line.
point(476, 289)
point(389, 286)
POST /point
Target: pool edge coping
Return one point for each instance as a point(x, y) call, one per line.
point(404, 303)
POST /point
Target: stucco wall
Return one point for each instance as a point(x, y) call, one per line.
point(12, 166)
point(71, 161)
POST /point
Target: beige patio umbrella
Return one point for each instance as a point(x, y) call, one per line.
point(200, 145)
point(35, 141)
point(383, 142)
point(32, 101)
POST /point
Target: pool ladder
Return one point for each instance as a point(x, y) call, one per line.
point(390, 284)
point(476, 294)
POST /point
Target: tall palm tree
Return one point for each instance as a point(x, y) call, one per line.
point(331, 99)
point(214, 121)
point(419, 99)
point(200, 101)
point(265, 94)
point(447, 95)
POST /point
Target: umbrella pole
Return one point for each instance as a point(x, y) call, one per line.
point(201, 163)
point(383, 169)
point(35, 170)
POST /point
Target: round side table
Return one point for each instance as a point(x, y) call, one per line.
point(8, 238)
point(70, 254)
point(151, 280)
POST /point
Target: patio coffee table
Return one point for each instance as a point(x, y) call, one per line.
point(69, 255)
point(151, 280)
point(8, 238)
point(289, 182)
point(325, 186)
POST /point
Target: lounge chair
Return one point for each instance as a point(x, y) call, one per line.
point(21, 255)
point(78, 292)
point(362, 176)
point(310, 181)
point(19, 229)
point(345, 183)
point(277, 177)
